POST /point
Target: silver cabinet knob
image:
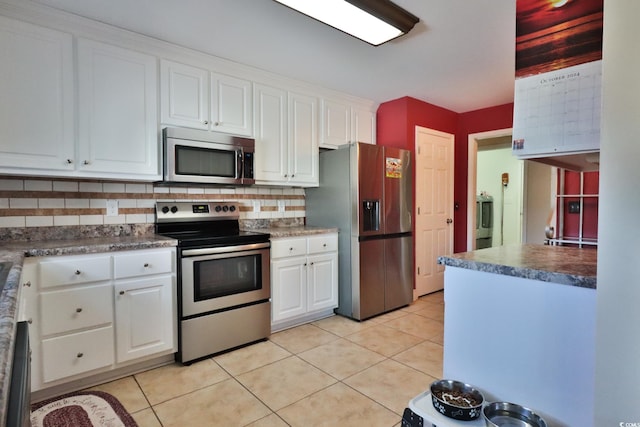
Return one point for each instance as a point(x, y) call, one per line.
point(30, 321)
point(121, 292)
point(206, 122)
point(217, 123)
point(86, 162)
point(28, 284)
point(79, 355)
point(69, 161)
point(147, 265)
point(449, 220)
point(78, 272)
point(79, 310)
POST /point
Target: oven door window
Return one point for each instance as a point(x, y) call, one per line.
point(226, 276)
point(205, 162)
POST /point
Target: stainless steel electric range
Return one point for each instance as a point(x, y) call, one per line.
point(224, 286)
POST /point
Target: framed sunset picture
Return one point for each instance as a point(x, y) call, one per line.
point(556, 34)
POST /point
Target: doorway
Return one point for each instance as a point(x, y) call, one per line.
point(522, 206)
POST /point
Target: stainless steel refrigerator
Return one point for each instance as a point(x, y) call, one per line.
point(366, 191)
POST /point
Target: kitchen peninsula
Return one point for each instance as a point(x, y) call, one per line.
point(520, 325)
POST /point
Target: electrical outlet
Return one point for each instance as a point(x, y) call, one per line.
point(574, 207)
point(112, 208)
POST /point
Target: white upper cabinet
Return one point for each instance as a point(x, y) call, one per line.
point(363, 125)
point(336, 124)
point(184, 92)
point(303, 139)
point(271, 161)
point(36, 89)
point(231, 105)
point(197, 98)
point(96, 117)
point(286, 137)
point(344, 122)
point(118, 125)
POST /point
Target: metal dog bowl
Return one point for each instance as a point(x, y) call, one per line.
point(504, 414)
point(457, 400)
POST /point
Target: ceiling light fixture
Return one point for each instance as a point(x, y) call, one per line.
point(373, 21)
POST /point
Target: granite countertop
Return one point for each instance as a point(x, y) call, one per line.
point(295, 231)
point(16, 251)
point(557, 264)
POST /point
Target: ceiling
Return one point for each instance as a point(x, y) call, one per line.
point(460, 55)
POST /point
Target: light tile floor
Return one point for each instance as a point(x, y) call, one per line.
point(332, 372)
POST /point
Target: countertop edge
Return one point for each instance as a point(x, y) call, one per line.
point(525, 273)
point(283, 232)
point(536, 262)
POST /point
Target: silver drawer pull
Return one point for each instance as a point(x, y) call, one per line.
point(78, 272)
point(28, 284)
point(147, 265)
point(324, 245)
point(121, 292)
point(78, 310)
point(79, 355)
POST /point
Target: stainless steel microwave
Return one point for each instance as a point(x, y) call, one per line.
point(197, 156)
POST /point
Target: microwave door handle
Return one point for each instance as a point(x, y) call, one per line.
point(239, 156)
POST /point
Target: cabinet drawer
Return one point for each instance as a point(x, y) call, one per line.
point(70, 309)
point(74, 270)
point(142, 263)
point(76, 353)
point(288, 247)
point(323, 243)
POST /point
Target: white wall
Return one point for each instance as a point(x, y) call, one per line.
point(492, 163)
point(617, 373)
point(540, 200)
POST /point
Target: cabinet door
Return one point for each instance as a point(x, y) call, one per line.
point(144, 317)
point(363, 123)
point(271, 156)
point(118, 124)
point(303, 140)
point(36, 89)
point(288, 288)
point(231, 105)
point(323, 282)
point(336, 124)
point(184, 93)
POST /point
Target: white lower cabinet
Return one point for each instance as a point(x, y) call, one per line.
point(144, 325)
point(304, 279)
point(91, 314)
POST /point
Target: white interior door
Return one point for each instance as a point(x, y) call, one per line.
point(434, 207)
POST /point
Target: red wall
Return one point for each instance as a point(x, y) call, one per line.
point(484, 120)
point(396, 122)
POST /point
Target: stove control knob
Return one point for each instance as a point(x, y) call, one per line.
point(232, 208)
point(225, 208)
point(218, 208)
point(165, 209)
point(174, 209)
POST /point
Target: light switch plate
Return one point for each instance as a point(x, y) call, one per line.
point(112, 208)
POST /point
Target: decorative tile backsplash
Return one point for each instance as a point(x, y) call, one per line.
point(42, 202)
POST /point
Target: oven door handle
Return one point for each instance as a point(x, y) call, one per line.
point(225, 249)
